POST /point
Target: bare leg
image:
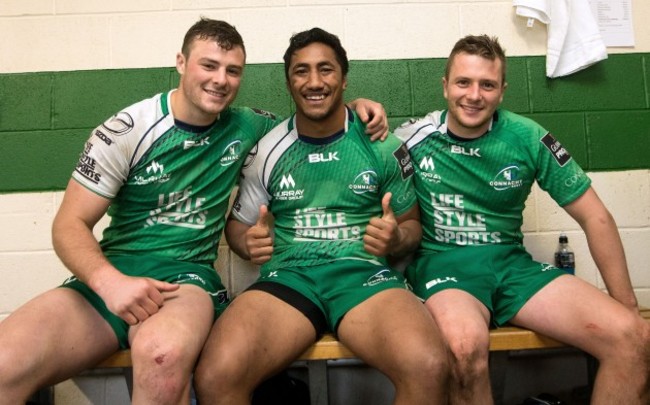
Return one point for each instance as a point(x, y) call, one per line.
point(574, 311)
point(468, 341)
point(49, 339)
point(256, 337)
point(393, 332)
point(165, 347)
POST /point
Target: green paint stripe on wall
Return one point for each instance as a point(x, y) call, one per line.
point(601, 114)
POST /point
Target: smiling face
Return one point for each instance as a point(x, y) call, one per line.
point(316, 83)
point(474, 89)
point(210, 80)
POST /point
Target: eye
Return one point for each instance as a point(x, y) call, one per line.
point(236, 72)
point(489, 85)
point(462, 82)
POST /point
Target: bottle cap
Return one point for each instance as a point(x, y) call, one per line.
point(563, 238)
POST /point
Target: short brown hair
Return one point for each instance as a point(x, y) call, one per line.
point(220, 31)
point(481, 45)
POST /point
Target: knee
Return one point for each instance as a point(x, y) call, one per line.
point(469, 354)
point(218, 373)
point(161, 368)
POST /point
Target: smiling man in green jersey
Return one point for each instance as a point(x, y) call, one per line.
point(475, 165)
point(341, 204)
point(164, 170)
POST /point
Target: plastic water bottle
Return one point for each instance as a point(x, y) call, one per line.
point(564, 257)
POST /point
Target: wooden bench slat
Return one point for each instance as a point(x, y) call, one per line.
point(328, 348)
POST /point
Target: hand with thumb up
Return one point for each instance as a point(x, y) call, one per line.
point(382, 233)
point(258, 238)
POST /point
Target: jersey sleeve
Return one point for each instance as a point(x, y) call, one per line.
point(252, 192)
point(399, 172)
point(558, 173)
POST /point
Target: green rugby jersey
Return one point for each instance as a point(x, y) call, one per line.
point(323, 192)
point(169, 183)
point(472, 192)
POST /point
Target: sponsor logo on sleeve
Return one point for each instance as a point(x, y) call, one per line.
point(87, 166)
point(560, 154)
point(119, 124)
point(263, 113)
point(403, 158)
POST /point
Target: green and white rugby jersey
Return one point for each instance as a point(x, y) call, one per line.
point(472, 192)
point(323, 192)
point(169, 183)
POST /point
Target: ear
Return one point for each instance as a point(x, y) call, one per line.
point(444, 87)
point(180, 63)
point(345, 82)
point(503, 92)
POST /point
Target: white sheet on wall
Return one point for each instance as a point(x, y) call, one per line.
point(614, 19)
point(574, 40)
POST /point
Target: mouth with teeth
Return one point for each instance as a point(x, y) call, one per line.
point(216, 93)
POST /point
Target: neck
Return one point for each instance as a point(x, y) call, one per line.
point(321, 128)
point(182, 110)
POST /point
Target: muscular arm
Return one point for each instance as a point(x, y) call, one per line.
point(605, 245)
point(132, 298)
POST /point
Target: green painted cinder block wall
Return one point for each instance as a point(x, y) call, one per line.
point(601, 114)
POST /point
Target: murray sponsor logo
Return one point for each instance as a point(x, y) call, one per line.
point(288, 190)
point(155, 173)
point(427, 167)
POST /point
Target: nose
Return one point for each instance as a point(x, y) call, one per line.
point(474, 92)
point(314, 80)
point(219, 77)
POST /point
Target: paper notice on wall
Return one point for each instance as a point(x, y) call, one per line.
point(614, 18)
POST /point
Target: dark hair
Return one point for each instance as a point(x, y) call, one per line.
point(220, 31)
point(481, 45)
point(302, 39)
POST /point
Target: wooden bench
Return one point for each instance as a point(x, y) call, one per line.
point(328, 349)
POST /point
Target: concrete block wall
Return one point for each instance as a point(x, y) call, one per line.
point(69, 64)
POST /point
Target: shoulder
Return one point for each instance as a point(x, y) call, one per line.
point(419, 127)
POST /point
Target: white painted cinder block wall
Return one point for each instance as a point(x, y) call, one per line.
point(61, 35)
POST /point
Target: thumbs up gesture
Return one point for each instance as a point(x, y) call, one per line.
point(382, 234)
point(258, 238)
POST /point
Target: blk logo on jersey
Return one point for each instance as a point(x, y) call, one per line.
point(231, 153)
point(365, 182)
point(460, 150)
point(321, 157)
point(557, 150)
point(507, 178)
point(190, 143)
